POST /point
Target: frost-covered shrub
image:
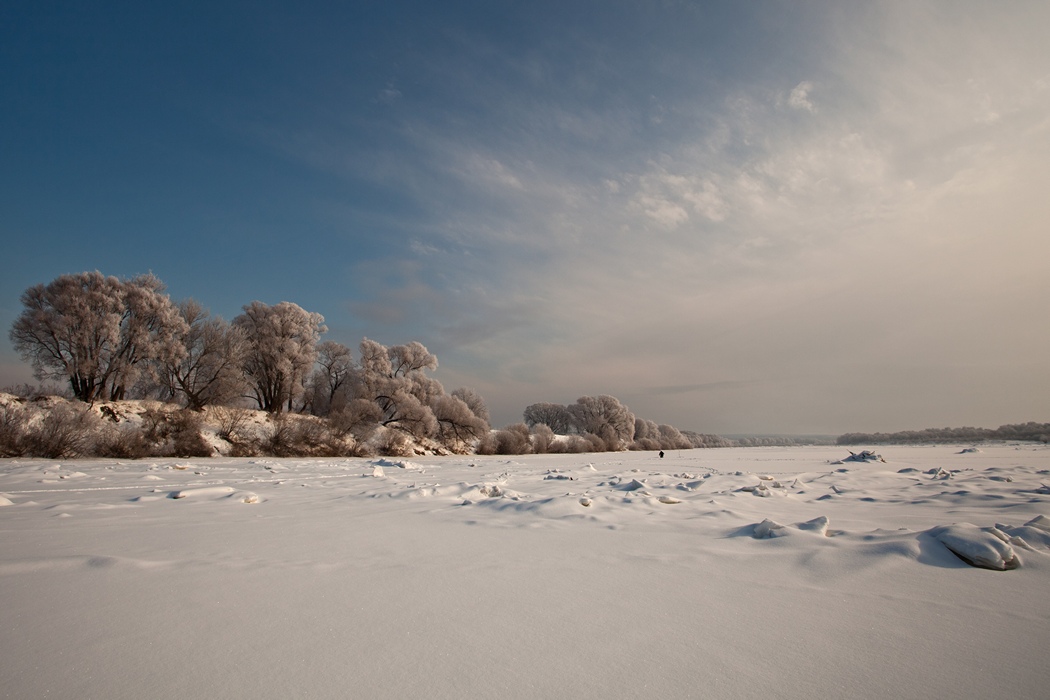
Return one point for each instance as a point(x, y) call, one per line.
point(65, 431)
point(187, 440)
point(301, 436)
point(394, 443)
point(175, 433)
point(573, 444)
point(514, 440)
point(231, 422)
point(14, 427)
point(542, 438)
point(511, 440)
point(122, 442)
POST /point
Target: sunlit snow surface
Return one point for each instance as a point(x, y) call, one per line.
point(738, 573)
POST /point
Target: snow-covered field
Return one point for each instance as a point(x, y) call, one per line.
point(586, 576)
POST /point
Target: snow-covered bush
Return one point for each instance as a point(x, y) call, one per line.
point(542, 438)
point(65, 431)
point(511, 440)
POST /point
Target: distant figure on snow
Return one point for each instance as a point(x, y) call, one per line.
point(661, 454)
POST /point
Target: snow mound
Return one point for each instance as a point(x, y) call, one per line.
point(764, 489)
point(400, 464)
point(633, 485)
point(5, 501)
point(770, 528)
point(986, 548)
point(1040, 522)
point(204, 492)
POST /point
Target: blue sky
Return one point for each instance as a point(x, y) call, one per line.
point(807, 217)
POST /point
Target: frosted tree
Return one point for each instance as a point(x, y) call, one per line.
point(331, 378)
point(98, 333)
point(375, 360)
point(672, 439)
point(358, 418)
point(389, 377)
point(646, 430)
point(406, 360)
point(282, 347)
point(458, 426)
point(404, 411)
point(605, 417)
point(474, 402)
point(209, 371)
point(553, 415)
point(646, 435)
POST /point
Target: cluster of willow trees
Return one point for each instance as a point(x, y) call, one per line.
point(592, 424)
point(112, 339)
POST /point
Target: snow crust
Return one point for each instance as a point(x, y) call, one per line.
point(730, 573)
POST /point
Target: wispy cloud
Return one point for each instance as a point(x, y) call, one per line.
point(798, 98)
point(764, 246)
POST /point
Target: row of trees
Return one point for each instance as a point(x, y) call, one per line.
point(112, 339)
point(1031, 431)
point(604, 423)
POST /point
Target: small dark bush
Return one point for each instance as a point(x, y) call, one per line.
point(394, 443)
point(65, 431)
point(124, 442)
point(14, 426)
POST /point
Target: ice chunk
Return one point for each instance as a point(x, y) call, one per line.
point(818, 525)
point(768, 528)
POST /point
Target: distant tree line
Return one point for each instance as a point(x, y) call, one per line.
point(110, 339)
point(592, 424)
point(1029, 432)
point(781, 440)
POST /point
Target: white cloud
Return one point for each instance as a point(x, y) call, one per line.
point(798, 98)
point(671, 199)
